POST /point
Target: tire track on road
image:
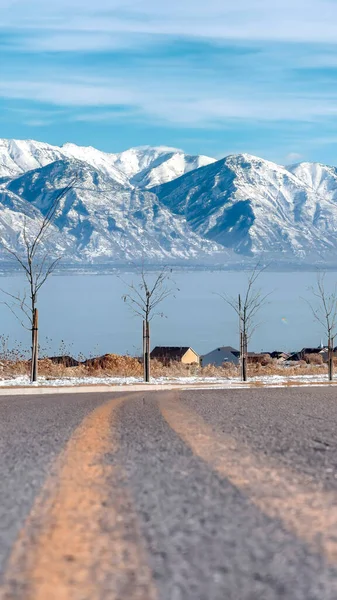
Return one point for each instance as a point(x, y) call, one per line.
point(206, 540)
point(81, 540)
point(278, 492)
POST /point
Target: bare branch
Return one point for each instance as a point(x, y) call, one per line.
point(20, 301)
point(48, 272)
point(145, 297)
point(324, 310)
point(247, 306)
point(49, 216)
point(36, 270)
point(15, 255)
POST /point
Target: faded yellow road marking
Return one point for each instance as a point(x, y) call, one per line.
point(81, 540)
point(277, 491)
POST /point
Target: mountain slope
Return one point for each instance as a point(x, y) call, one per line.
point(144, 166)
point(199, 209)
point(100, 218)
point(256, 207)
point(148, 166)
point(20, 156)
point(16, 217)
point(321, 179)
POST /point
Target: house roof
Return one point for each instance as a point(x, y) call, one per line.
point(173, 352)
point(65, 360)
point(223, 349)
point(294, 356)
point(228, 348)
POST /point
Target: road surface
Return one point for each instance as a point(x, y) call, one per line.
point(181, 495)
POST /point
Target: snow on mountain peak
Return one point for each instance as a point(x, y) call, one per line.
point(255, 207)
point(102, 219)
point(163, 204)
point(19, 156)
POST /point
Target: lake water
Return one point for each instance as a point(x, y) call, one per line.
point(87, 313)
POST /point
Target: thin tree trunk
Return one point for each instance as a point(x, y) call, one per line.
point(241, 356)
point(244, 357)
point(330, 358)
point(144, 350)
point(34, 370)
point(147, 352)
point(241, 339)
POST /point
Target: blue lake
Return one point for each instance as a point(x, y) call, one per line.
point(88, 314)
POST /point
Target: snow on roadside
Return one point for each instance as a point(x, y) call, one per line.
point(23, 380)
point(274, 379)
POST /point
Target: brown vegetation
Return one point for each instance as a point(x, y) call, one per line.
point(113, 365)
point(313, 359)
point(261, 359)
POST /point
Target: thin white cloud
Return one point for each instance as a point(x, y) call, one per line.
point(76, 42)
point(177, 91)
point(293, 157)
point(186, 103)
point(280, 20)
point(37, 123)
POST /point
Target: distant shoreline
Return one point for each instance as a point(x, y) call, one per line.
point(113, 268)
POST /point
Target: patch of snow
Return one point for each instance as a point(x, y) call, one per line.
point(268, 380)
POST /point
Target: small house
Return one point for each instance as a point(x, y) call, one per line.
point(221, 355)
point(167, 354)
point(317, 350)
point(64, 360)
point(305, 353)
point(294, 357)
point(279, 355)
point(259, 358)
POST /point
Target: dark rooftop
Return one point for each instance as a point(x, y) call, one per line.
point(172, 352)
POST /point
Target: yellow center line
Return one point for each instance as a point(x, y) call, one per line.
point(81, 540)
point(279, 492)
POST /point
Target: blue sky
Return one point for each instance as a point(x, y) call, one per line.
point(211, 77)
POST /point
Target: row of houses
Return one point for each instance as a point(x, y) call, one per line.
point(188, 356)
point(227, 354)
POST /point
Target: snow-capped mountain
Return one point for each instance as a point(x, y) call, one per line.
point(321, 179)
point(19, 218)
point(254, 206)
point(99, 218)
point(144, 166)
point(163, 205)
point(20, 156)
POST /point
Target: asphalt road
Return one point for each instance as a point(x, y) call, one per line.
point(182, 495)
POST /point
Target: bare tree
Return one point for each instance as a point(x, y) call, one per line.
point(144, 299)
point(37, 265)
point(324, 310)
point(246, 306)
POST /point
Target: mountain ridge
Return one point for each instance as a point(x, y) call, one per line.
point(100, 218)
point(164, 205)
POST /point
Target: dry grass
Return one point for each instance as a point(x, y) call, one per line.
point(299, 368)
point(313, 359)
point(113, 365)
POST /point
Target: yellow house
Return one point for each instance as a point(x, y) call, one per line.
point(183, 354)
